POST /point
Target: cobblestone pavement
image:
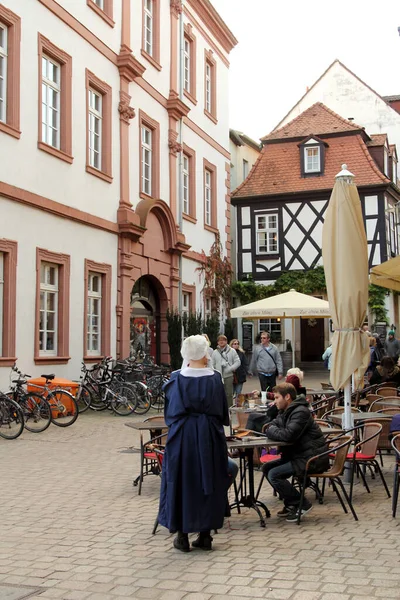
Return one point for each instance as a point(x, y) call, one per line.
point(74, 528)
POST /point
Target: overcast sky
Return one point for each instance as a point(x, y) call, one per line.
point(285, 46)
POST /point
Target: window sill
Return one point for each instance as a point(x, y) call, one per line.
point(151, 60)
point(190, 97)
point(211, 228)
point(93, 359)
point(99, 174)
point(50, 360)
point(211, 116)
point(107, 18)
point(56, 152)
point(263, 255)
point(7, 361)
point(189, 218)
point(10, 130)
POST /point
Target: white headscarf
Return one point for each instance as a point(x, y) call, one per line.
point(194, 347)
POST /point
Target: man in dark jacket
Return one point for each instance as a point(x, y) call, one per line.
point(296, 426)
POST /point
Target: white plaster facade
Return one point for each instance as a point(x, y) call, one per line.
point(57, 205)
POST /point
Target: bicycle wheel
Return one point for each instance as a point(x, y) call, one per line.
point(123, 400)
point(11, 419)
point(64, 408)
point(98, 396)
point(158, 401)
point(143, 398)
point(83, 398)
point(37, 412)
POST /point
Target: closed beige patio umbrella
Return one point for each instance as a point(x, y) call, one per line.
point(345, 256)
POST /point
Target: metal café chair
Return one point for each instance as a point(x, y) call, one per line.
point(395, 442)
point(385, 391)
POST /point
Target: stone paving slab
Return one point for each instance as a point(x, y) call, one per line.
point(74, 528)
point(9, 592)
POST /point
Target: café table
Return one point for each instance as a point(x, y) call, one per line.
point(246, 494)
point(359, 417)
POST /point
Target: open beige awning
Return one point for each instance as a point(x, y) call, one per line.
point(387, 274)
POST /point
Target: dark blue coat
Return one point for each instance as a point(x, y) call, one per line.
point(195, 467)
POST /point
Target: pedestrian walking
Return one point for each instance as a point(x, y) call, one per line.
point(226, 361)
point(392, 346)
point(266, 362)
point(240, 375)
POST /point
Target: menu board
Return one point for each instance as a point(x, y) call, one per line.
point(247, 336)
point(380, 329)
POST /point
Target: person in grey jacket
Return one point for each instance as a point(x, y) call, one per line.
point(392, 346)
point(225, 360)
point(266, 361)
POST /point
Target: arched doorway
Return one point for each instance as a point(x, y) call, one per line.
point(145, 318)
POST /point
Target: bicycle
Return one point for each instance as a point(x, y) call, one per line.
point(11, 418)
point(36, 409)
point(107, 392)
point(64, 407)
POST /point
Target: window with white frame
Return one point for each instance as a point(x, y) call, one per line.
point(207, 307)
point(312, 159)
point(394, 171)
point(99, 3)
point(3, 72)
point(185, 303)
point(186, 65)
point(95, 104)
point(51, 94)
point(186, 192)
point(208, 87)
point(385, 162)
point(267, 233)
point(146, 160)
point(273, 327)
point(207, 197)
point(1, 300)
point(48, 308)
point(93, 331)
point(148, 25)
point(245, 168)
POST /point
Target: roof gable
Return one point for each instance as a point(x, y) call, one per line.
point(316, 120)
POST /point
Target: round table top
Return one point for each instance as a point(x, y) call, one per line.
point(158, 423)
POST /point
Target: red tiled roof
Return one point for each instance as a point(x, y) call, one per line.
point(378, 139)
point(277, 170)
point(316, 120)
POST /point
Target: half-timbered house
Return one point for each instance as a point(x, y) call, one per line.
point(281, 204)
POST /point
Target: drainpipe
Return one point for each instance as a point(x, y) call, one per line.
point(180, 141)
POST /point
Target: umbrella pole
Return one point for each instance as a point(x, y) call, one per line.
point(346, 422)
point(293, 343)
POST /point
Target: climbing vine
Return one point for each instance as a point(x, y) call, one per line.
point(306, 282)
point(217, 272)
point(376, 303)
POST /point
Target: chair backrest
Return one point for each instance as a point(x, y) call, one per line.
point(320, 409)
point(370, 439)
point(373, 397)
point(395, 443)
point(340, 449)
point(389, 411)
point(387, 391)
point(392, 401)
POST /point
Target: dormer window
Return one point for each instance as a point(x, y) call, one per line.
point(312, 154)
point(312, 159)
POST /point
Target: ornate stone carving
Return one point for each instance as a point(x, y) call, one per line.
point(126, 112)
point(176, 6)
point(174, 147)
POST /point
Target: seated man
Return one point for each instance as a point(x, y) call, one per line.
point(295, 425)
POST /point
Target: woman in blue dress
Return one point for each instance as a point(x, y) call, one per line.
point(195, 475)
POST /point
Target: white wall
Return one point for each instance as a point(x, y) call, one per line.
point(33, 228)
point(22, 163)
point(349, 97)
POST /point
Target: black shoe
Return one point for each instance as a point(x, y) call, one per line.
point(203, 541)
point(182, 543)
point(292, 518)
point(286, 511)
